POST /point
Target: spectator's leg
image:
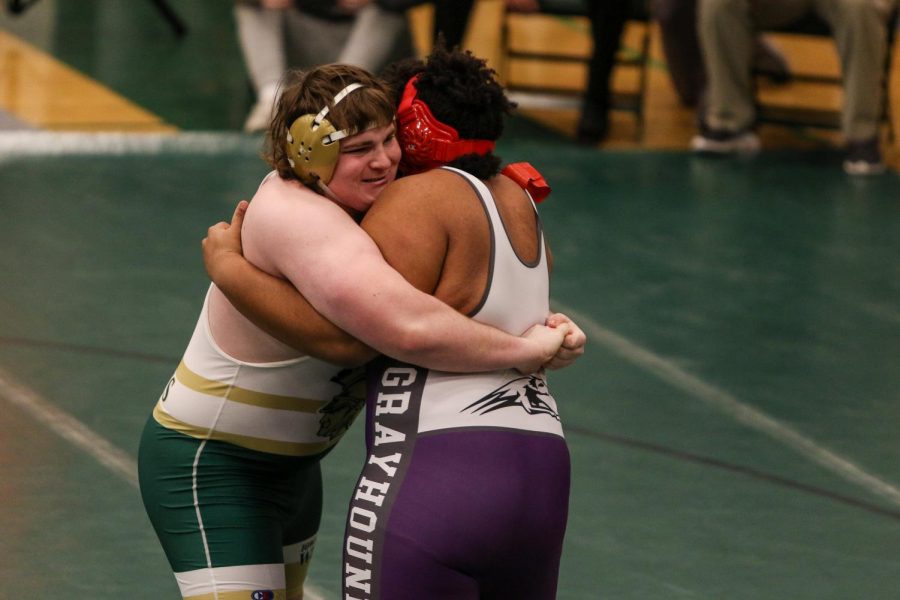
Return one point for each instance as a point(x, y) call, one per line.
point(729, 34)
point(678, 28)
point(681, 46)
point(770, 61)
point(378, 36)
point(313, 40)
point(727, 39)
point(607, 23)
point(860, 33)
point(451, 17)
point(261, 38)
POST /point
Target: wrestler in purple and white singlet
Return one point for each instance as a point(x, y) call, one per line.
point(465, 490)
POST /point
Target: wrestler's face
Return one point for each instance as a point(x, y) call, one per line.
point(366, 165)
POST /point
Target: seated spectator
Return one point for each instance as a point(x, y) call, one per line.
point(727, 29)
point(678, 26)
point(681, 47)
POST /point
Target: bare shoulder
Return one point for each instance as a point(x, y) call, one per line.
point(422, 193)
point(285, 220)
point(283, 204)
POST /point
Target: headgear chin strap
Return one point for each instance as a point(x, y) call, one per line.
point(311, 148)
point(426, 142)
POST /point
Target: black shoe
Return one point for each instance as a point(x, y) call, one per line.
point(590, 138)
point(591, 135)
point(593, 126)
point(864, 157)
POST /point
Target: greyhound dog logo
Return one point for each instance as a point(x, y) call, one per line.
point(337, 416)
point(528, 393)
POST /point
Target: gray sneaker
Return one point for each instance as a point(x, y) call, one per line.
point(713, 141)
point(864, 158)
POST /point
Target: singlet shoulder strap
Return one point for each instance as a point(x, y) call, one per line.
point(497, 224)
point(487, 201)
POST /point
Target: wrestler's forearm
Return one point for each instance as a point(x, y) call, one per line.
point(388, 315)
point(450, 342)
point(275, 306)
point(407, 324)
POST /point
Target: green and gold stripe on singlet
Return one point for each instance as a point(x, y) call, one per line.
point(244, 441)
point(262, 400)
point(210, 387)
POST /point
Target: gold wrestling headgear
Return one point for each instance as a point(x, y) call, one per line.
point(311, 143)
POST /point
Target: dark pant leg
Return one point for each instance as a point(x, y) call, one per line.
point(450, 19)
point(681, 47)
point(607, 24)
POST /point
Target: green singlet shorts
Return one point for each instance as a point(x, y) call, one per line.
point(224, 513)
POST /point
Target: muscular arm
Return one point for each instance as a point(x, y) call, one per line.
point(276, 307)
point(429, 217)
point(341, 270)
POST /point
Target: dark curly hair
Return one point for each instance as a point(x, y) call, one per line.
point(461, 91)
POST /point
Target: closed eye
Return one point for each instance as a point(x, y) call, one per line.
point(356, 149)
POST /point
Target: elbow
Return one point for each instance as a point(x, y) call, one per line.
point(414, 342)
point(391, 324)
point(329, 344)
point(348, 353)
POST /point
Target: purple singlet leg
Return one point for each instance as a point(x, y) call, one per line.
point(479, 514)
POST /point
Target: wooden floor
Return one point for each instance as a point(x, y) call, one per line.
point(39, 90)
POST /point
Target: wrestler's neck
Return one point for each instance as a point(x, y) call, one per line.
point(355, 214)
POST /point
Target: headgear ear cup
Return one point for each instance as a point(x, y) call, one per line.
point(311, 154)
point(311, 148)
point(427, 142)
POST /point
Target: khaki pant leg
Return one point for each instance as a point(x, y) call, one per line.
point(727, 35)
point(860, 32)
point(728, 31)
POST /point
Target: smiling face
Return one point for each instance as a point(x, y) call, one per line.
point(366, 165)
point(348, 98)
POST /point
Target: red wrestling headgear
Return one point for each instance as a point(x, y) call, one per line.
point(426, 142)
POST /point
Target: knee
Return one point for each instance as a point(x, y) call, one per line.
point(872, 10)
point(862, 19)
point(715, 12)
